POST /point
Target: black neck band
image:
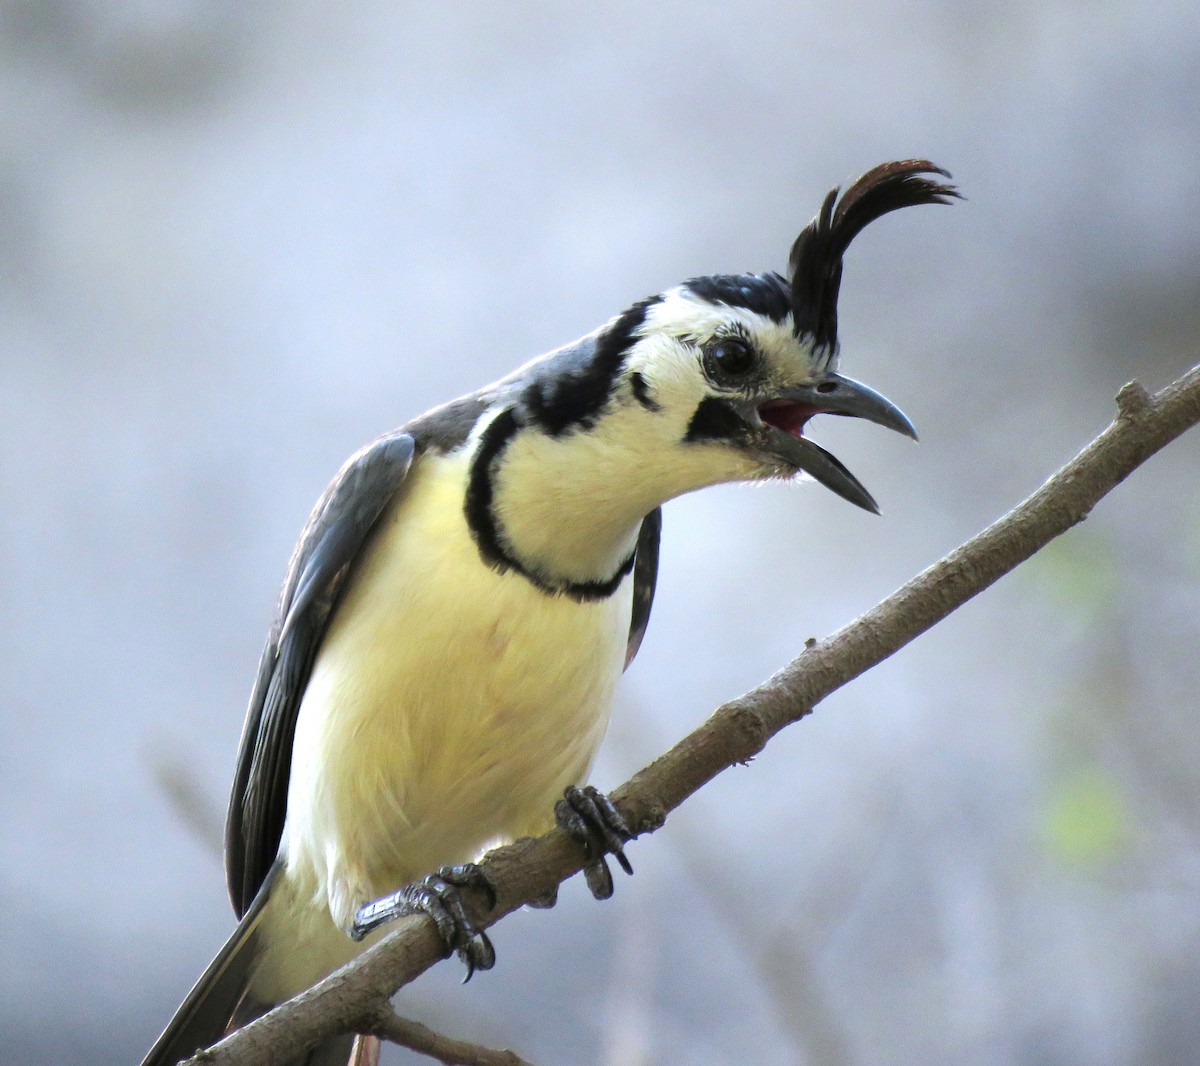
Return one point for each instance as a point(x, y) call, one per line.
point(489, 537)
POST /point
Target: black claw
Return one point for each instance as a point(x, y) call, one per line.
point(599, 879)
point(440, 896)
point(546, 900)
point(590, 817)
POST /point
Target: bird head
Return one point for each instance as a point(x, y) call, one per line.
point(751, 358)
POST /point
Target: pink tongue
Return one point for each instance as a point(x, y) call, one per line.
point(790, 417)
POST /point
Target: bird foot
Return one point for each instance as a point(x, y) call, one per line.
point(590, 818)
point(438, 895)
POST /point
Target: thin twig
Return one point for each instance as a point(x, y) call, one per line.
point(388, 1025)
point(735, 732)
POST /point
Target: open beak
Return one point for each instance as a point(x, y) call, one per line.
point(783, 417)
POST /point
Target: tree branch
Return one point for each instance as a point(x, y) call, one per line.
point(350, 999)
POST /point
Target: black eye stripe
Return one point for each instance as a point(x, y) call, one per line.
point(642, 392)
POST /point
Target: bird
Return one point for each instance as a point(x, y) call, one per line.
point(470, 588)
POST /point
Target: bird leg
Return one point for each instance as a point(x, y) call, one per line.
point(590, 818)
point(438, 895)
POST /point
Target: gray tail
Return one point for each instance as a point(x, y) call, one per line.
point(205, 1016)
point(218, 1002)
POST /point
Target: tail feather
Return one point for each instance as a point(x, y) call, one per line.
point(204, 1017)
point(220, 1002)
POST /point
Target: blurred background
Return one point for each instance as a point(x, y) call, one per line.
point(239, 240)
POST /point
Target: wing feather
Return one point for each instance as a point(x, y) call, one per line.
point(645, 576)
point(323, 562)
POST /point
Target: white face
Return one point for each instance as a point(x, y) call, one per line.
point(670, 354)
point(732, 391)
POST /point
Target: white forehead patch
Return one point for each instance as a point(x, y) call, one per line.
point(683, 314)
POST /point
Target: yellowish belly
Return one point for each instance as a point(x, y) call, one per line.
point(448, 707)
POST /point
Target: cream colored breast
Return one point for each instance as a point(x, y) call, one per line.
point(448, 707)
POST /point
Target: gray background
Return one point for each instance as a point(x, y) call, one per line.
point(238, 240)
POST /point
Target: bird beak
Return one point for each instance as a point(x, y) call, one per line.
point(783, 418)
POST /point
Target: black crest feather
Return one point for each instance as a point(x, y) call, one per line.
point(815, 262)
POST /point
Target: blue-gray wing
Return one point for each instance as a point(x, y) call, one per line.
point(321, 566)
point(645, 576)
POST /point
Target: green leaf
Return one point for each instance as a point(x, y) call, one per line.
point(1087, 821)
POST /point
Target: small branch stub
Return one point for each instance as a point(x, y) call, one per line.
point(1133, 401)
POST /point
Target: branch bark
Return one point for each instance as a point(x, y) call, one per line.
point(352, 998)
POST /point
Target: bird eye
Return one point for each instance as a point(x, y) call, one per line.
point(728, 358)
